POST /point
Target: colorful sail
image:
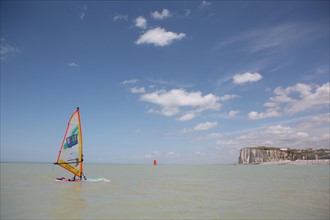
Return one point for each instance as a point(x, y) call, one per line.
point(70, 156)
point(155, 162)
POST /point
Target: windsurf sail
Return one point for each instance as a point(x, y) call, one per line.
point(70, 156)
point(155, 162)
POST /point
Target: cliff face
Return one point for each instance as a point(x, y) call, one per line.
point(255, 155)
point(252, 155)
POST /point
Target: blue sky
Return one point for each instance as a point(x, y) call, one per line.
point(177, 81)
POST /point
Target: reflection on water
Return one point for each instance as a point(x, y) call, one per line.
point(68, 201)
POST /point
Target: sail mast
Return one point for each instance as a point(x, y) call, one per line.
point(80, 145)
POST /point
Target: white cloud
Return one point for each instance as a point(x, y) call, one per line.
point(205, 4)
point(172, 154)
point(188, 11)
point(161, 16)
point(179, 97)
point(208, 136)
point(201, 127)
point(141, 22)
point(187, 116)
point(205, 126)
point(198, 153)
point(233, 113)
point(315, 120)
point(120, 17)
point(138, 90)
point(308, 98)
point(148, 156)
point(166, 111)
point(304, 135)
point(268, 114)
point(82, 15)
point(131, 81)
point(170, 111)
point(275, 38)
point(152, 154)
point(83, 10)
point(159, 37)
point(215, 135)
point(73, 64)
point(171, 101)
point(294, 99)
point(246, 77)
point(228, 97)
point(7, 50)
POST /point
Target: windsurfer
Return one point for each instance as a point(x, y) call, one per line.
point(73, 178)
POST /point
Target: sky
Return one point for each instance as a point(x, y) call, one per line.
point(188, 82)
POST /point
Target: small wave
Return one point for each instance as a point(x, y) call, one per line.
point(98, 180)
point(105, 180)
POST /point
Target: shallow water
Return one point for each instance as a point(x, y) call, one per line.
point(28, 191)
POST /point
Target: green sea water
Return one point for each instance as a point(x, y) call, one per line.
point(28, 191)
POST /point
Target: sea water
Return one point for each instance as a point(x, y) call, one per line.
point(28, 191)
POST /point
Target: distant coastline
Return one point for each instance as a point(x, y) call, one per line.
point(283, 156)
point(297, 162)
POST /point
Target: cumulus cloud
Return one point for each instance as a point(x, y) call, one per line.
point(152, 154)
point(141, 22)
point(233, 113)
point(316, 120)
point(159, 37)
point(179, 97)
point(130, 81)
point(161, 15)
point(268, 114)
point(294, 99)
point(138, 90)
point(205, 126)
point(73, 64)
point(171, 102)
point(187, 116)
point(201, 154)
point(157, 154)
point(309, 96)
point(172, 154)
point(83, 10)
point(7, 50)
point(228, 97)
point(205, 4)
point(120, 17)
point(314, 135)
point(246, 77)
point(273, 135)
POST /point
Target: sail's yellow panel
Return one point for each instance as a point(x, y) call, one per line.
point(70, 167)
